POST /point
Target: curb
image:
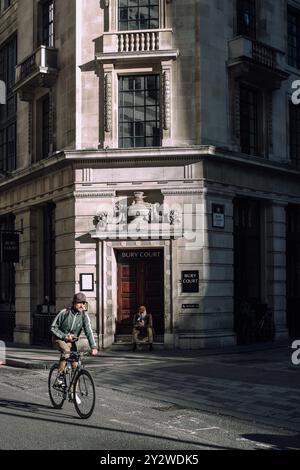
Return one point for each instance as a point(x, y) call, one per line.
point(32, 364)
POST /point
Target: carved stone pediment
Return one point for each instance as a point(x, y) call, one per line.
point(138, 220)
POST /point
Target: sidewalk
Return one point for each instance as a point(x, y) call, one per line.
point(35, 357)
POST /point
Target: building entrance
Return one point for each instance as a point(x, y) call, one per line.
point(140, 282)
point(293, 271)
point(248, 308)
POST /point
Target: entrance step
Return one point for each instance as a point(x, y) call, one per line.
point(124, 343)
point(140, 346)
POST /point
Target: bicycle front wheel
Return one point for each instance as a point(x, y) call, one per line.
point(84, 394)
point(57, 397)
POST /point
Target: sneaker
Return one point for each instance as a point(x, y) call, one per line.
point(60, 381)
point(78, 401)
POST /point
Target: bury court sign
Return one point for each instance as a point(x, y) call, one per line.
point(9, 247)
point(190, 281)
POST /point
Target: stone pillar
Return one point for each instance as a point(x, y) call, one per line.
point(24, 277)
point(276, 265)
point(90, 258)
point(203, 319)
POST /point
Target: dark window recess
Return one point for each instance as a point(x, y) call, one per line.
point(247, 249)
point(45, 127)
point(250, 120)
point(49, 252)
point(139, 111)
point(293, 270)
point(294, 128)
point(47, 23)
point(6, 4)
point(7, 270)
point(8, 112)
point(138, 14)
point(246, 18)
point(293, 25)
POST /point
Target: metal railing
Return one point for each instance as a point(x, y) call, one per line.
point(264, 55)
point(43, 58)
point(41, 325)
point(7, 325)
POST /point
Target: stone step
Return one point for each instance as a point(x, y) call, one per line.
point(128, 339)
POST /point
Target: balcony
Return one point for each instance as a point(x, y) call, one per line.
point(37, 70)
point(139, 44)
point(261, 64)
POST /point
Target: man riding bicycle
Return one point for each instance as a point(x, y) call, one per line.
point(66, 329)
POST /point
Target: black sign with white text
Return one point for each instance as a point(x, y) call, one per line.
point(10, 247)
point(190, 281)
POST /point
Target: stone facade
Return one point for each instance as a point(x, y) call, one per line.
point(198, 165)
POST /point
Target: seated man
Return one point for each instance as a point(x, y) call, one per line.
point(142, 326)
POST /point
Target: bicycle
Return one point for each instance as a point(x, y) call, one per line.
point(78, 386)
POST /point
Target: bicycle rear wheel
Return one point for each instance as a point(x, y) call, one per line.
point(84, 394)
point(57, 397)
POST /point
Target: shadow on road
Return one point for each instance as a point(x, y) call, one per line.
point(278, 442)
point(40, 408)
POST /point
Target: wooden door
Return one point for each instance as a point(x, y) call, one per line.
point(128, 297)
point(140, 282)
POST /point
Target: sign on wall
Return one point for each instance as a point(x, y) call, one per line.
point(218, 215)
point(10, 247)
point(190, 281)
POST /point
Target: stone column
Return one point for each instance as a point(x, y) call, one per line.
point(24, 277)
point(276, 265)
point(94, 258)
point(65, 262)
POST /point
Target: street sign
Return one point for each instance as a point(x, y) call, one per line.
point(190, 281)
point(9, 247)
point(218, 215)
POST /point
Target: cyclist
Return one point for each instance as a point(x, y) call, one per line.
point(66, 329)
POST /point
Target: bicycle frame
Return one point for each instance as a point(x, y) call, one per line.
point(74, 357)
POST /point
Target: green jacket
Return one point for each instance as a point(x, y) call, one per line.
point(67, 321)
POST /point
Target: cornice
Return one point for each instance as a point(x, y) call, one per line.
point(93, 194)
point(162, 156)
point(130, 56)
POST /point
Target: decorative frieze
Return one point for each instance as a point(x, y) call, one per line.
point(108, 102)
point(166, 100)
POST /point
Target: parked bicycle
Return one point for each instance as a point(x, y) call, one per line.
point(78, 386)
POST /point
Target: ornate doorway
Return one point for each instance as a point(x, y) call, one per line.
point(140, 282)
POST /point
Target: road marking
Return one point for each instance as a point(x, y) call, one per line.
point(258, 444)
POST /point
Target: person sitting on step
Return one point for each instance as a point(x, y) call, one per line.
point(142, 327)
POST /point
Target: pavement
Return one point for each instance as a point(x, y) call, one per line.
point(254, 382)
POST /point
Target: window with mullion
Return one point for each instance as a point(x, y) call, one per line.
point(246, 18)
point(8, 61)
point(250, 121)
point(138, 14)
point(139, 111)
point(48, 23)
point(293, 25)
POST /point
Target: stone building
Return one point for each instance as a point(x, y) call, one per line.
point(149, 154)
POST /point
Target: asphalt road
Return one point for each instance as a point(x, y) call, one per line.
point(122, 420)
